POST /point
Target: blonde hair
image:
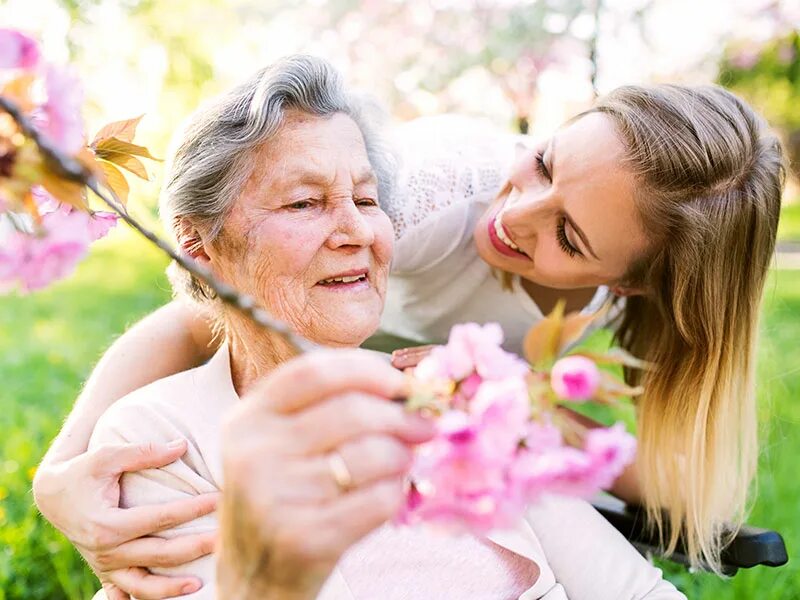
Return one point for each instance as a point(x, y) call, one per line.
point(710, 178)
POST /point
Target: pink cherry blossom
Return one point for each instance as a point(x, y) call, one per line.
point(575, 472)
point(471, 348)
point(33, 261)
point(611, 450)
point(18, 51)
point(496, 448)
point(461, 478)
point(575, 378)
point(60, 116)
point(100, 223)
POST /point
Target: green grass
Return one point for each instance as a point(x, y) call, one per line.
point(49, 342)
point(789, 225)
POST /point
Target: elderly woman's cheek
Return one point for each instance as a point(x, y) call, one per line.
point(382, 249)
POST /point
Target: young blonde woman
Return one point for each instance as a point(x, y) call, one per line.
point(664, 197)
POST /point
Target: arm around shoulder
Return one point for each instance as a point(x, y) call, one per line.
point(136, 420)
point(174, 338)
point(590, 558)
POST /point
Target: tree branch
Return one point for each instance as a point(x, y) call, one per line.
point(73, 170)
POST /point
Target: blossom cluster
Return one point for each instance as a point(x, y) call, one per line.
point(498, 446)
point(41, 238)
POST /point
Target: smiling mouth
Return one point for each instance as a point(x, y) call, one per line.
point(350, 279)
point(501, 240)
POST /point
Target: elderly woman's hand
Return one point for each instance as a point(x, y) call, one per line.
point(80, 496)
point(315, 457)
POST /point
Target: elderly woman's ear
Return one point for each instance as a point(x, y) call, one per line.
point(190, 240)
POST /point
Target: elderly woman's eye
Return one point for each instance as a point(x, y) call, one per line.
point(300, 204)
point(366, 202)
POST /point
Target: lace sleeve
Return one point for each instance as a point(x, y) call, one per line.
point(443, 161)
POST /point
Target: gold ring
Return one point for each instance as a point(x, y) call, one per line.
point(340, 472)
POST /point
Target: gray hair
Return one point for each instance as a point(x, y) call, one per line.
point(213, 158)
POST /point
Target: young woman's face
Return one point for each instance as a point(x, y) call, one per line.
point(567, 217)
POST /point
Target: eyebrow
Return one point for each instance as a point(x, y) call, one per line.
point(309, 177)
point(367, 175)
point(552, 149)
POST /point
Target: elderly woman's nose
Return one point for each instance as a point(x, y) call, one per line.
point(351, 227)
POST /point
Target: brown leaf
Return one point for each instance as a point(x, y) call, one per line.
point(542, 340)
point(30, 206)
point(122, 130)
point(116, 181)
point(116, 145)
point(575, 326)
point(619, 356)
point(612, 389)
point(87, 158)
point(19, 90)
point(64, 190)
point(128, 162)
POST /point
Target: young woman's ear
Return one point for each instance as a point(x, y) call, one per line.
point(191, 241)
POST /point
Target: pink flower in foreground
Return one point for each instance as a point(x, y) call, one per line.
point(575, 378)
point(471, 348)
point(60, 116)
point(100, 223)
point(460, 479)
point(611, 450)
point(575, 472)
point(490, 458)
point(32, 262)
point(17, 50)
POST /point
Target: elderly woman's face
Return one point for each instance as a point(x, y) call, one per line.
point(307, 237)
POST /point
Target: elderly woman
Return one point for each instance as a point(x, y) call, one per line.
point(275, 189)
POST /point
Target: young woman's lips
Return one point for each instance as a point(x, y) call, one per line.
point(499, 245)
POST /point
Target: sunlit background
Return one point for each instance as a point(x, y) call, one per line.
point(526, 65)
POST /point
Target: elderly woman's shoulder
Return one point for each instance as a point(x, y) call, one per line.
point(176, 406)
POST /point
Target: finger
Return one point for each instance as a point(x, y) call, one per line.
point(114, 593)
point(111, 460)
point(406, 358)
point(343, 418)
point(157, 552)
point(143, 585)
point(367, 460)
point(304, 380)
point(141, 521)
point(354, 515)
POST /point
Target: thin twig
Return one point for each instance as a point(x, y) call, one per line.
point(73, 170)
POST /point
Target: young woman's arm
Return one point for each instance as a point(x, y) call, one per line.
point(70, 483)
point(174, 338)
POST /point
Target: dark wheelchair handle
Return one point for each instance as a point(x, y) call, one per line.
point(751, 547)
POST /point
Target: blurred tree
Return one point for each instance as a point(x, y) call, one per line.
point(430, 45)
point(767, 73)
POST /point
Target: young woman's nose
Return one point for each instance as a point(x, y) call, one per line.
point(526, 208)
point(350, 227)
